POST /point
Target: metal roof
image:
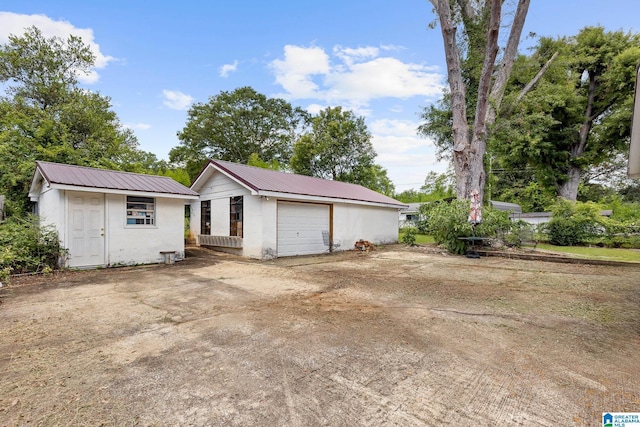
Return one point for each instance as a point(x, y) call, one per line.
point(266, 180)
point(504, 206)
point(80, 176)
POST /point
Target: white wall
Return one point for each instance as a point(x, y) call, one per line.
point(258, 229)
point(267, 220)
point(52, 211)
point(136, 244)
point(351, 222)
point(354, 222)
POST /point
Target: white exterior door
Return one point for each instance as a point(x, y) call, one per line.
point(300, 227)
point(85, 229)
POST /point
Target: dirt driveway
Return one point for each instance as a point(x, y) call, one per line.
point(395, 337)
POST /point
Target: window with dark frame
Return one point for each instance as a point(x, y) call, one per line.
point(141, 210)
point(205, 217)
point(235, 216)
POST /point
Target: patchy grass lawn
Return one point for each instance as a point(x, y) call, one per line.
point(613, 254)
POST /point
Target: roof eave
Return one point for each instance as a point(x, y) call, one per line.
point(124, 192)
point(308, 198)
point(34, 192)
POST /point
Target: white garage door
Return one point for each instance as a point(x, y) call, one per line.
point(300, 227)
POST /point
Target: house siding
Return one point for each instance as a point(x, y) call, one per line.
point(142, 244)
point(354, 222)
point(52, 211)
point(351, 221)
point(219, 189)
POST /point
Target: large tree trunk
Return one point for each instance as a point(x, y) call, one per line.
point(458, 89)
point(469, 147)
point(569, 189)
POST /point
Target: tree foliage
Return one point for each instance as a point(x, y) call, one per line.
point(234, 125)
point(41, 71)
point(578, 116)
point(44, 115)
point(338, 147)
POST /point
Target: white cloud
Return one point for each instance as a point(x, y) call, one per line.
point(396, 136)
point(177, 100)
point(315, 108)
point(295, 72)
point(228, 68)
point(407, 157)
point(352, 76)
point(137, 126)
point(16, 24)
point(350, 55)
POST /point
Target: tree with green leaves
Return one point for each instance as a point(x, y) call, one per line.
point(44, 115)
point(578, 116)
point(234, 125)
point(477, 78)
point(338, 147)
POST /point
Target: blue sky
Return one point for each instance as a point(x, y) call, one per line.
point(378, 58)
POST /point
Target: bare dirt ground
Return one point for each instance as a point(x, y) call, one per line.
point(394, 337)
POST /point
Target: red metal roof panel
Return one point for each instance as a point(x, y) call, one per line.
point(80, 176)
point(282, 182)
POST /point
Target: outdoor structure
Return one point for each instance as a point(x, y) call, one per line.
point(107, 218)
point(533, 218)
point(410, 215)
point(264, 214)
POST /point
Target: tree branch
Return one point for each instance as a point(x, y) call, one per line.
point(533, 82)
point(457, 86)
point(491, 52)
point(504, 69)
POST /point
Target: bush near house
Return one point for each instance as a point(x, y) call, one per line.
point(573, 223)
point(28, 247)
point(409, 236)
point(576, 223)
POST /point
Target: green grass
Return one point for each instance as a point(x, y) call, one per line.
point(613, 254)
point(420, 238)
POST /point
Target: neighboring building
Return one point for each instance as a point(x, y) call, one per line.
point(107, 218)
point(410, 215)
point(533, 218)
point(264, 214)
point(512, 208)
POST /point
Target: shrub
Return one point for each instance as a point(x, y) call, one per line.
point(573, 223)
point(28, 247)
point(447, 222)
point(493, 221)
point(409, 236)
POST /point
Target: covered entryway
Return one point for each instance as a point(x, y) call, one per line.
point(300, 227)
point(86, 229)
